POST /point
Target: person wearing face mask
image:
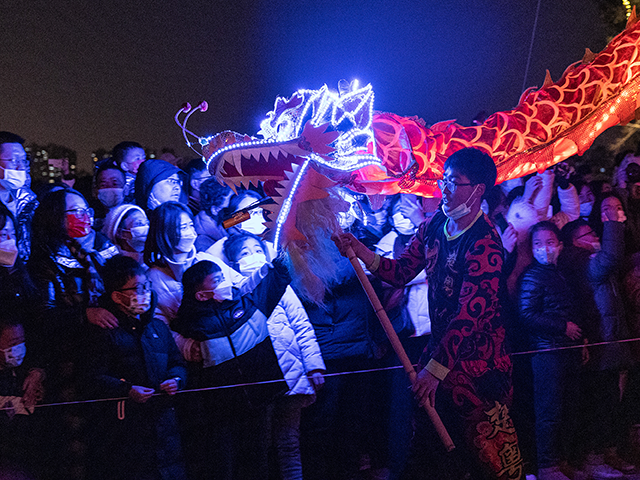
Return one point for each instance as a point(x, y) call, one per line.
point(169, 251)
point(158, 182)
point(298, 353)
point(127, 227)
point(587, 198)
point(64, 267)
point(15, 193)
point(16, 287)
point(592, 262)
point(138, 359)
point(462, 255)
point(547, 313)
point(21, 388)
point(236, 348)
point(392, 245)
point(254, 225)
point(109, 191)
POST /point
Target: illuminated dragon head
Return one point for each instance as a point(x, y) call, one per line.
point(310, 142)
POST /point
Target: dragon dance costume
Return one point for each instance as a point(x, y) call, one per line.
point(316, 140)
point(467, 350)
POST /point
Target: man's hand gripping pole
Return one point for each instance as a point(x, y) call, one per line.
point(397, 346)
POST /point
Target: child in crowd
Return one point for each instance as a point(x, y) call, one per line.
point(296, 347)
point(231, 329)
point(137, 359)
point(546, 311)
point(20, 390)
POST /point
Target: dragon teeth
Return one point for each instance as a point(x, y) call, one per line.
point(237, 160)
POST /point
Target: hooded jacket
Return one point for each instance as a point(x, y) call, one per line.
point(152, 172)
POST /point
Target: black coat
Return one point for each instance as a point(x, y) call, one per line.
point(137, 352)
point(545, 306)
point(599, 296)
point(62, 294)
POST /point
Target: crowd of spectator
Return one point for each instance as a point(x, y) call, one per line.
point(130, 291)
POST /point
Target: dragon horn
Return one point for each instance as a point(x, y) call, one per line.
point(589, 56)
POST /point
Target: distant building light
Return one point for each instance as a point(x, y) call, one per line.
point(602, 170)
point(51, 180)
point(44, 174)
point(51, 174)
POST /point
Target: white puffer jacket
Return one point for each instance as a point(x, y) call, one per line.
point(294, 342)
point(292, 335)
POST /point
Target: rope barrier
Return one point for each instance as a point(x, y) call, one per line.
point(326, 375)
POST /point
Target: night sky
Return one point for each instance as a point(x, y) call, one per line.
point(91, 74)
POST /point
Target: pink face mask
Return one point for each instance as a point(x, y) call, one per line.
point(78, 227)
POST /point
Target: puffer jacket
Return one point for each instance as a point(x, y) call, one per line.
point(545, 306)
point(26, 204)
point(62, 296)
point(234, 338)
point(166, 281)
point(146, 438)
point(294, 342)
point(345, 325)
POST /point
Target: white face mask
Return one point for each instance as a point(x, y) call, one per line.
point(138, 237)
point(187, 240)
point(8, 253)
point(223, 291)
point(111, 197)
point(254, 225)
point(402, 224)
point(585, 209)
point(14, 356)
point(138, 304)
point(546, 255)
point(461, 210)
point(13, 179)
point(251, 263)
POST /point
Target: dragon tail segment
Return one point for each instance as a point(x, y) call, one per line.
point(547, 126)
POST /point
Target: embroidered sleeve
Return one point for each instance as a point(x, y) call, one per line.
point(412, 261)
point(470, 333)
